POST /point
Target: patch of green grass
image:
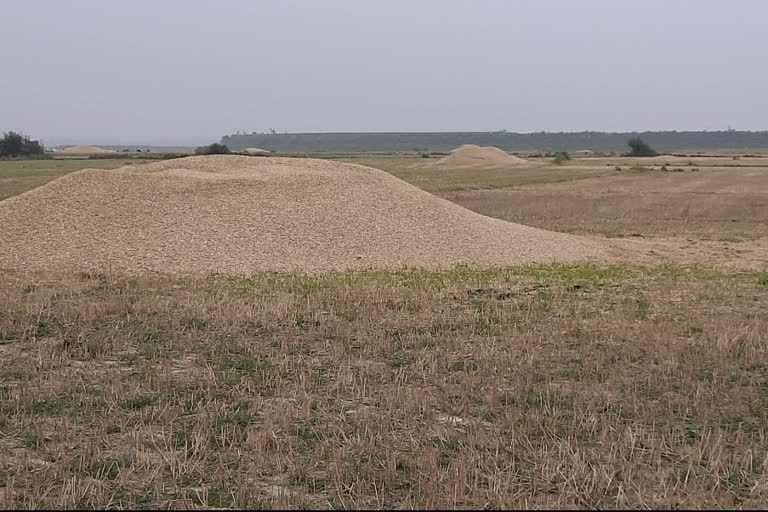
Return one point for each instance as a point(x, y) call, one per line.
point(577, 371)
point(66, 406)
point(240, 417)
point(467, 366)
point(31, 440)
point(195, 324)
point(399, 360)
point(640, 168)
point(220, 497)
point(643, 306)
point(532, 399)
point(233, 363)
point(705, 375)
point(42, 328)
point(308, 437)
point(464, 275)
point(137, 403)
point(102, 469)
point(12, 374)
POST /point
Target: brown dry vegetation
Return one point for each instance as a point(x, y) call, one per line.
point(528, 387)
point(425, 176)
point(713, 203)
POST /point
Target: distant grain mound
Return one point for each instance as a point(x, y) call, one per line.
point(255, 151)
point(86, 150)
point(470, 156)
point(237, 214)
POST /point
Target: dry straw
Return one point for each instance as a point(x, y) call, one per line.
point(238, 214)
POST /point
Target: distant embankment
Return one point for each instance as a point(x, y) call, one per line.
point(446, 141)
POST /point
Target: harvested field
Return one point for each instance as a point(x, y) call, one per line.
point(470, 156)
point(557, 386)
point(728, 204)
point(530, 387)
point(237, 214)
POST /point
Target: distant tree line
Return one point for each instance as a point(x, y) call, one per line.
point(16, 145)
point(667, 141)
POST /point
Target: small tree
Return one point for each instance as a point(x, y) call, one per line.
point(213, 149)
point(16, 145)
point(638, 147)
point(560, 157)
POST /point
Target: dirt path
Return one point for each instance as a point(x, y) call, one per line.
point(744, 255)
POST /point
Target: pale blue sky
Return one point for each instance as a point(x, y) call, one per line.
point(189, 71)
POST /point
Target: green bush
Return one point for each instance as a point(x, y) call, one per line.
point(16, 145)
point(638, 147)
point(560, 157)
point(213, 149)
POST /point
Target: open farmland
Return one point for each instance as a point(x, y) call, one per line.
point(636, 383)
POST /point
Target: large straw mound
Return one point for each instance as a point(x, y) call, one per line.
point(238, 214)
point(86, 150)
point(470, 156)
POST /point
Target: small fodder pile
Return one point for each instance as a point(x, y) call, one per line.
point(237, 214)
point(256, 151)
point(86, 150)
point(470, 156)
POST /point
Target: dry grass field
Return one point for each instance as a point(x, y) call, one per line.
point(638, 385)
point(710, 204)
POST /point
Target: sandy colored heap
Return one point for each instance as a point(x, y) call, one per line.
point(255, 151)
point(238, 214)
point(86, 150)
point(470, 156)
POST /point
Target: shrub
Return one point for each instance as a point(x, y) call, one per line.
point(213, 149)
point(16, 145)
point(638, 147)
point(560, 157)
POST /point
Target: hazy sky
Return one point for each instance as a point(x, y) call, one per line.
point(189, 71)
